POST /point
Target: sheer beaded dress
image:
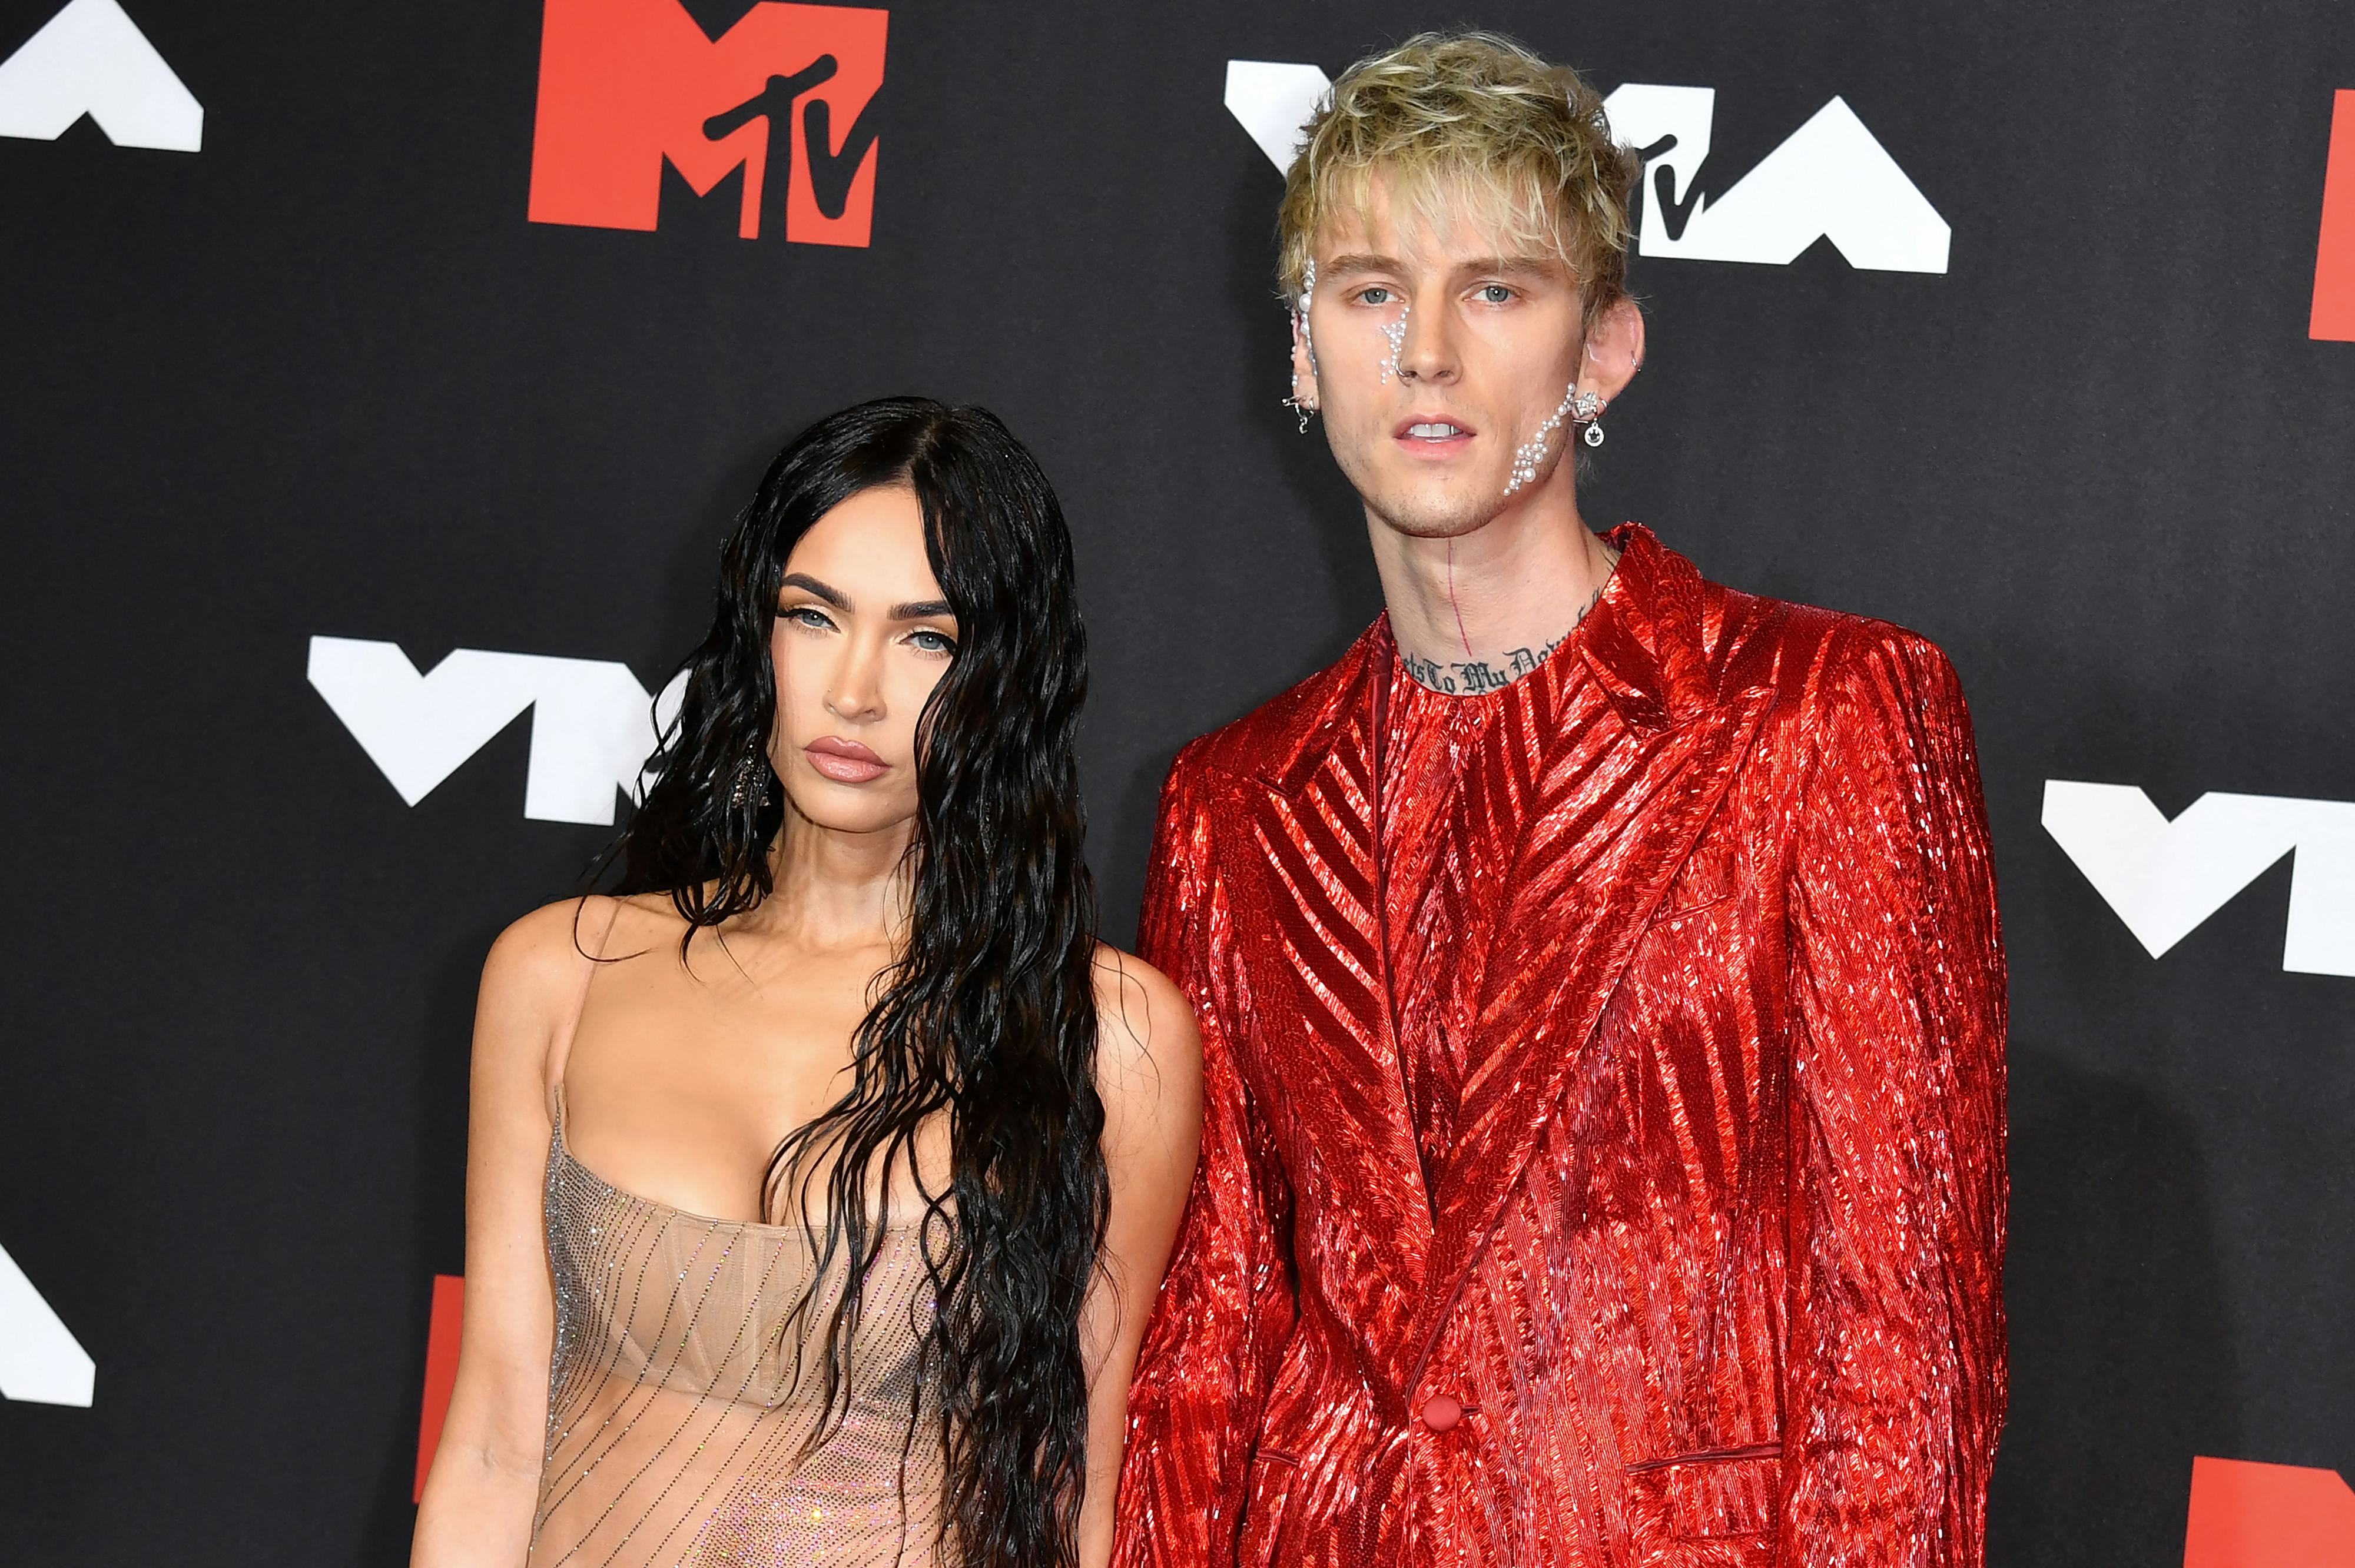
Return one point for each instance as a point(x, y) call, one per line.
point(684, 1390)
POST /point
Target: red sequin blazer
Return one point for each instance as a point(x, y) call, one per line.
point(1713, 1274)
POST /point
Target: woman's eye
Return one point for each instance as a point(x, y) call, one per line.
point(933, 641)
point(809, 616)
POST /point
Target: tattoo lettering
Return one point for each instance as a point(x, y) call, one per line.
point(1424, 673)
point(1466, 676)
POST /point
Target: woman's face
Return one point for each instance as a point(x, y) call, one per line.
point(863, 634)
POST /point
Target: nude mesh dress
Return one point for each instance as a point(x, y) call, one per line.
point(685, 1387)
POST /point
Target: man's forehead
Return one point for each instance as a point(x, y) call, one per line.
point(1448, 228)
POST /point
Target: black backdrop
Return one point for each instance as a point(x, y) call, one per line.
point(324, 377)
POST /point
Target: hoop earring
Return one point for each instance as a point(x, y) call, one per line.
point(747, 775)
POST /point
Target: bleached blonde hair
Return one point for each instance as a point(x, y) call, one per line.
point(1468, 122)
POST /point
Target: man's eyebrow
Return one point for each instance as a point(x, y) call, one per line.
point(808, 584)
point(1361, 262)
point(921, 609)
point(1513, 265)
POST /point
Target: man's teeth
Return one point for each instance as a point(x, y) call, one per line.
point(1432, 432)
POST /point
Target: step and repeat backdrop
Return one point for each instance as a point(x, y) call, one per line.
point(381, 381)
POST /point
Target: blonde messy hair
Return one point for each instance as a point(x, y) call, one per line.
point(1449, 116)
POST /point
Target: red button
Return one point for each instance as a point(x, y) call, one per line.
point(1441, 1411)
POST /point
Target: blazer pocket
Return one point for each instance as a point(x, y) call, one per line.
point(1721, 1494)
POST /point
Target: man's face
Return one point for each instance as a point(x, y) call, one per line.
point(1437, 353)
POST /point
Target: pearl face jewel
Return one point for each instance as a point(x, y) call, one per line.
point(1531, 452)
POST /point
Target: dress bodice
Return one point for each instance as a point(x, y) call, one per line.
point(688, 1417)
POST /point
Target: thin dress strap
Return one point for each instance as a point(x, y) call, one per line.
point(593, 959)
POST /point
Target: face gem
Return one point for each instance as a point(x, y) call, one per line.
point(1531, 452)
point(1396, 332)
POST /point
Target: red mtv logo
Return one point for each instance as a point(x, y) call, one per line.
point(626, 84)
point(2268, 1516)
point(2334, 256)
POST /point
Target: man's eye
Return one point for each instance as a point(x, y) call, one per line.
point(1495, 295)
point(1375, 296)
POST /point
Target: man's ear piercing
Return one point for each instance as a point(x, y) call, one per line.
point(1585, 410)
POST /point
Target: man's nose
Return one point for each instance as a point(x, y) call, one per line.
point(1426, 349)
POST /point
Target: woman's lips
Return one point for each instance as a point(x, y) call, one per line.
point(844, 761)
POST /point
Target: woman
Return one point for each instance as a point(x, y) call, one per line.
point(819, 1182)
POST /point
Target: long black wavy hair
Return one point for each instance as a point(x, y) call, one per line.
point(989, 1015)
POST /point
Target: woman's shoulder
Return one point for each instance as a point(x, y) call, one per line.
point(1141, 1013)
point(540, 958)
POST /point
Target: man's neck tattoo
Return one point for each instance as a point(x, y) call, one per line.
point(1469, 675)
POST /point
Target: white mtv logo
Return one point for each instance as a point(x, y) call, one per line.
point(1829, 179)
point(91, 60)
point(2164, 878)
point(40, 1360)
point(593, 726)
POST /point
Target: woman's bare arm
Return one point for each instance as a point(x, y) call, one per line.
point(1149, 1072)
point(485, 1484)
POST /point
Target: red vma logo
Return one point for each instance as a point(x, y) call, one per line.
point(626, 85)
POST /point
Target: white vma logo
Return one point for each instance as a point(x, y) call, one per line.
point(1828, 180)
point(2164, 878)
point(40, 1360)
point(593, 726)
point(91, 60)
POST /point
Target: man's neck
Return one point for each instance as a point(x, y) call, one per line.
point(1479, 611)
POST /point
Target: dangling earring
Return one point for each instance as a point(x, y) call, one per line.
point(1292, 399)
point(1303, 410)
point(1300, 325)
point(748, 774)
point(1587, 409)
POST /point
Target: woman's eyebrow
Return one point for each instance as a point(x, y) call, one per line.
point(921, 609)
point(808, 584)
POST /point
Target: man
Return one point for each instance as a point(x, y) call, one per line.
point(1602, 999)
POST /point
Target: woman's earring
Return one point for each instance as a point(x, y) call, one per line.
point(748, 774)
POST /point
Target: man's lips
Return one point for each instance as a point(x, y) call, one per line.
point(844, 761)
point(1434, 435)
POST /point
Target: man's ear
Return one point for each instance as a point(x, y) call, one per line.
point(1304, 367)
point(1615, 349)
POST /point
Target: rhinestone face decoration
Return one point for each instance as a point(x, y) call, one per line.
point(1396, 332)
point(1531, 452)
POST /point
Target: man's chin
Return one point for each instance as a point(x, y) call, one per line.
point(1427, 516)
